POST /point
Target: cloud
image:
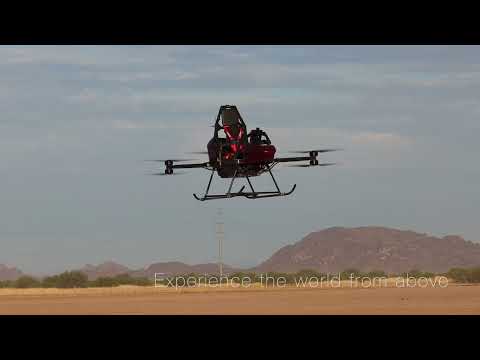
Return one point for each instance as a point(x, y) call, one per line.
point(84, 55)
point(77, 122)
point(336, 137)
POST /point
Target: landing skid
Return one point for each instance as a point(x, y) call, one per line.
point(265, 194)
point(249, 195)
point(225, 196)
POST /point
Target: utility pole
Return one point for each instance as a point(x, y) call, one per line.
point(220, 234)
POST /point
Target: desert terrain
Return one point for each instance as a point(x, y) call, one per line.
point(453, 299)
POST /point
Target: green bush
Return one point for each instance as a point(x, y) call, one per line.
point(104, 282)
point(376, 274)
point(7, 284)
point(239, 276)
point(308, 274)
point(475, 275)
point(67, 279)
point(276, 278)
point(122, 279)
point(142, 281)
point(25, 282)
point(347, 274)
point(417, 274)
point(184, 280)
point(469, 275)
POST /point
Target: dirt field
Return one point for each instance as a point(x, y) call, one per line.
point(454, 299)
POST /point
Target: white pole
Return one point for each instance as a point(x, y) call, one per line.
point(220, 232)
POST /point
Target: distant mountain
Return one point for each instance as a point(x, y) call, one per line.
point(107, 269)
point(368, 248)
point(178, 268)
point(9, 273)
point(330, 250)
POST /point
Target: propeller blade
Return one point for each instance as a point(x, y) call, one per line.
point(308, 165)
point(163, 174)
point(174, 160)
point(319, 151)
point(326, 164)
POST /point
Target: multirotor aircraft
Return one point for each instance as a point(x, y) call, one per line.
point(235, 154)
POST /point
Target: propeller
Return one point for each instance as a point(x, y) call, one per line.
point(308, 165)
point(318, 151)
point(174, 160)
point(163, 174)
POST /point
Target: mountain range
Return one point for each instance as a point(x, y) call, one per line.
point(330, 250)
point(373, 248)
point(9, 273)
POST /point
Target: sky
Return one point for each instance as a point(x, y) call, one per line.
point(77, 123)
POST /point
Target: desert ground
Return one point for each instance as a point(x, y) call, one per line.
point(453, 299)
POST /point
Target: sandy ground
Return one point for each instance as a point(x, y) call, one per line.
point(453, 299)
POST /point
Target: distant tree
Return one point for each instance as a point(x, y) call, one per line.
point(376, 274)
point(50, 281)
point(475, 275)
point(238, 276)
point(276, 278)
point(67, 279)
point(462, 275)
point(415, 273)
point(122, 279)
point(142, 281)
point(104, 282)
point(25, 282)
point(428, 274)
point(458, 275)
point(307, 274)
point(7, 284)
point(348, 273)
point(244, 277)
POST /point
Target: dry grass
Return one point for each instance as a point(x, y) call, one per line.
point(144, 290)
point(454, 299)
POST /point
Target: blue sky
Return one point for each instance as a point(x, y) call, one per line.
point(77, 122)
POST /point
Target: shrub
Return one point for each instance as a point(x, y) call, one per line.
point(471, 275)
point(7, 284)
point(308, 274)
point(25, 282)
point(239, 276)
point(122, 279)
point(346, 275)
point(104, 282)
point(418, 274)
point(67, 279)
point(376, 274)
point(475, 275)
point(273, 278)
point(141, 281)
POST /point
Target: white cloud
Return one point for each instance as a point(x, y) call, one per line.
point(82, 55)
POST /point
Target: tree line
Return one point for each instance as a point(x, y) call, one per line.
point(74, 279)
point(464, 275)
point(77, 279)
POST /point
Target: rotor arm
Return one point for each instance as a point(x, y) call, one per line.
point(189, 166)
point(169, 166)
point(291, 159)
point(312, 158)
